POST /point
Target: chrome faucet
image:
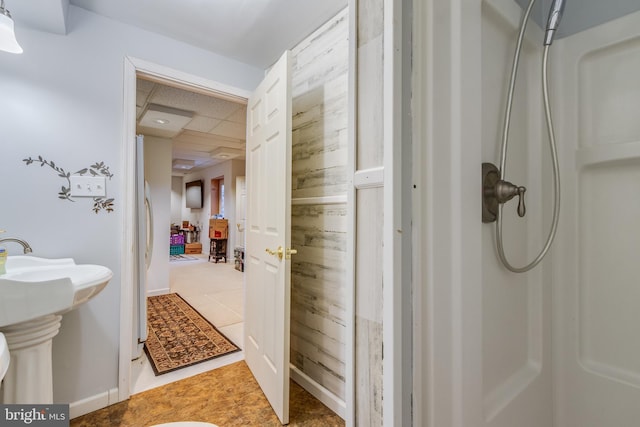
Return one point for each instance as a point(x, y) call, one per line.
point(25, 245)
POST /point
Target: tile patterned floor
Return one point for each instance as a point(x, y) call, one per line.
point(228, 396)
point(216, 291)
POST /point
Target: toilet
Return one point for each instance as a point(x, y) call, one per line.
point(186, 424)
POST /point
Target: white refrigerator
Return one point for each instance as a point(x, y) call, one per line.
point(143, 252)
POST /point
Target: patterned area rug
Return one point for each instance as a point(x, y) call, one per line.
point(179, 336)
point(181, 258)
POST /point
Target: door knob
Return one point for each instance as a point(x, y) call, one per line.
point(278, 252)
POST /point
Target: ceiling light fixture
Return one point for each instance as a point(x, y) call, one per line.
point(183, 164)
point(8, 41)
point(225, 153)
point(165, 121)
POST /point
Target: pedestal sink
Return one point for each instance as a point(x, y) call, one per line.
point(4, 356)
point(34, 293)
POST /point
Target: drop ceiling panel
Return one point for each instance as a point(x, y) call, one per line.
point(210, 140)
point(204, 105)
point(240, 116)
point(202, 134)
point(202, 124)
point(143, 91)
point(231, 129)
point(160, 133)
point(196, 150)
point(144, 86)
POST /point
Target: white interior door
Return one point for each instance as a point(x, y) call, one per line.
point(267, 293)
point(597, 285)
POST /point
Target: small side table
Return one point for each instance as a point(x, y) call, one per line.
point(218, 249)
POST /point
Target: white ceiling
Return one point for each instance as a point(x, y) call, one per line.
point(255, 32)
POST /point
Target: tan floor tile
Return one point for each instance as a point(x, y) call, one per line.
point(219, 315)
point(233, 299)
point(228, 396)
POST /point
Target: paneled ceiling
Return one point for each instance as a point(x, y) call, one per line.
point(205, 130)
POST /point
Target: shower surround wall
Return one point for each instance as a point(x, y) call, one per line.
point(556, 346)
point(595, 263)
point(516, 334)
point(319, 221)
point(588, 283)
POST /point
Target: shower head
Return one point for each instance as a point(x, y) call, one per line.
point(553, 22)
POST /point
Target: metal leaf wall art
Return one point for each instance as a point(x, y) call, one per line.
point(96, 169)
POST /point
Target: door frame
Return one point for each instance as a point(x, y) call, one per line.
point(134, 68)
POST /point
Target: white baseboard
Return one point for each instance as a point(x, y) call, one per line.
point(157, 292)
point(332, 401)
point(93, 403)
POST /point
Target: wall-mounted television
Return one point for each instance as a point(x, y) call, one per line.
point(194, 194)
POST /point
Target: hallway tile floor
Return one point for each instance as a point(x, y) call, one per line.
point(216, 291)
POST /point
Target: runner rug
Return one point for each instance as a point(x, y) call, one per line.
point(179, 336)
point(181, 258)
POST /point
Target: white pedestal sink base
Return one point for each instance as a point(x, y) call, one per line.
point(29, 379)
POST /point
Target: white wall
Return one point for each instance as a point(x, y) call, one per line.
point(157, 172)
point(229, 170)
point(62, 99)
point(176, 199)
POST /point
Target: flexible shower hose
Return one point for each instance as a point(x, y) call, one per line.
point(552, 146)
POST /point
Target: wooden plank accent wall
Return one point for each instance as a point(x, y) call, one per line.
point(369, 217)
point(319, 223)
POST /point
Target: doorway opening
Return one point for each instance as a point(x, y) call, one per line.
point(193, 141)
point(217, 197)
point(175, 79)
point(135, 69)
